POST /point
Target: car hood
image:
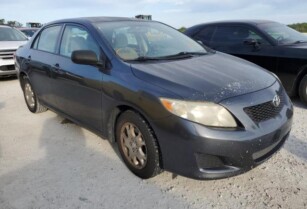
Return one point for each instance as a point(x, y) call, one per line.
point(295, 51)
point(8, 45)
point(213, 77)
point(297, 46)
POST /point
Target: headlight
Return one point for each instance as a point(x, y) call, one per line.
point(206, 113)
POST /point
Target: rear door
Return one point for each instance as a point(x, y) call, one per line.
point(41, 61)
point(231, 39)
point(205, 35)
point(78, 88)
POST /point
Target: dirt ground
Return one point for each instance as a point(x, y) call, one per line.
point(46, 162)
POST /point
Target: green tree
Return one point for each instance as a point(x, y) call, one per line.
point(301, 27)
point(182, 29)
point(2, 21)
point(14, 24)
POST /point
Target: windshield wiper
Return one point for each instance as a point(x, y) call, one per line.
point(299, 41)
point(144, 58)
point(179, 55)
point(189, 53)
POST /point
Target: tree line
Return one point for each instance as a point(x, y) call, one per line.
point(12, 23)
point(301, 27)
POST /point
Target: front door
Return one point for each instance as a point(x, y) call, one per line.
point(78, 87)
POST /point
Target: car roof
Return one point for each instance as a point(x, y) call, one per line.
point(5, 26)
point(248, 22)
point(95, 19)
point(252, 22)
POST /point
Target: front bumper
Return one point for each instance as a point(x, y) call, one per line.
point(200, 152)
point(7, 67)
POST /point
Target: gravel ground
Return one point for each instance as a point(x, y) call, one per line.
point(46, 162)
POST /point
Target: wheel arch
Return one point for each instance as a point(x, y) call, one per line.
point(114, 115)
point(21, 77)
point(299, 78)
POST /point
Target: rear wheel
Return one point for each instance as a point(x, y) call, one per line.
point(30, 97)
point(303, 89)
point(137, 145)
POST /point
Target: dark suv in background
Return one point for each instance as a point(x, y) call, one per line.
point(272, 45)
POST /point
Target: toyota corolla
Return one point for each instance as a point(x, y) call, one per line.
point(167, 101)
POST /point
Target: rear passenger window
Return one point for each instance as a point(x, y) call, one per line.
point(77, 38)
point(236, 35)
point(205, 34)
point(48, 39)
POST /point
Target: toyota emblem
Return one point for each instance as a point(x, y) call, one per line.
point(276, 101)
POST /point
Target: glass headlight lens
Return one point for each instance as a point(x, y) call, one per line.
point(206, 113)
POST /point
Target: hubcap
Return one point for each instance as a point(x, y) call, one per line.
point(29, 95)
point(133, 145)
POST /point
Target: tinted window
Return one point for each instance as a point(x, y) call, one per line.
point(77, 38)
point(235, 35)
point(48, 39)
point(205, 34)
point(282, 33)
point(11, 34)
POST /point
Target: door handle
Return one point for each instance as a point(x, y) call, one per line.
point(57, 66)
point(58, 70)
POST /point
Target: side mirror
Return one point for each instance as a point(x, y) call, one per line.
point(252, 42)
point(85, 57)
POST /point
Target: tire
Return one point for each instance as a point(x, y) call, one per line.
point(137, 145)
point(31, 99)
point(303, 90)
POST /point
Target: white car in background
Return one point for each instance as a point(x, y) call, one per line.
point(10, 40)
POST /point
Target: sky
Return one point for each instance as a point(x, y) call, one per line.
point(176, 13)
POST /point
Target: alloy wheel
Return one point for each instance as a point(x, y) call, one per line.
point(29, 94)
point(133, 145)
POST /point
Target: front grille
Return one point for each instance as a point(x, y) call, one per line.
point(264, 111)
point(7, 68)
point(7, 54)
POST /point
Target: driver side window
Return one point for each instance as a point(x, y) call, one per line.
point(77, 38)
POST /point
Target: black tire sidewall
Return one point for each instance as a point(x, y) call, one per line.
point(26, 81)
point(152, 164)
point(302, 90)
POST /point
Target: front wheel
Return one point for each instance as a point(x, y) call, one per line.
point(137, 145)
point(30, 97)
point(303, 89)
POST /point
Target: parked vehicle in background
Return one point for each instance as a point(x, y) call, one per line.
point(272, 45)
point(10, 40)
point(33, 25)
point(29, 32)
point(167, 101)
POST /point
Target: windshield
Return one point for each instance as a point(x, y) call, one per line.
point(136, 40)
point(283, 34)
point(11, 34)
